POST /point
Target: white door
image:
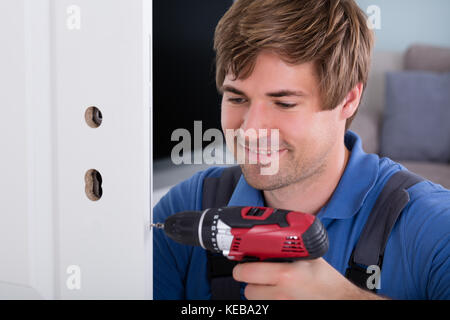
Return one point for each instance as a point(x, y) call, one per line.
point(75, 149)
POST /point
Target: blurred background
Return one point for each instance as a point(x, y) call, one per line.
point(405, 112)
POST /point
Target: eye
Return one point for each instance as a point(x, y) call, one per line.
point(236, 100)
point(285, 105)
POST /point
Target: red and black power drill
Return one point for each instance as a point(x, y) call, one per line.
point(250, 233)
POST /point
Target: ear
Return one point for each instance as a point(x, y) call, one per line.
point(351, 102)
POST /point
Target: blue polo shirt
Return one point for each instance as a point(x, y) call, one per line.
point(417, 257)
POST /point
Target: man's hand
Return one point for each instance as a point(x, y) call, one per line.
point(307, 279)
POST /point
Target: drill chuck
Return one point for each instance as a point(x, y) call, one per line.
point(182, 227)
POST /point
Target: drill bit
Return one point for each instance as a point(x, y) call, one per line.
point(157, 225)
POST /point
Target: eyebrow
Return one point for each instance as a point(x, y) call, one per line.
point(286, 93)
point(277, 94)
point(231, 89)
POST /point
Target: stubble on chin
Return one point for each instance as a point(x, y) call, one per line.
point(296, 171)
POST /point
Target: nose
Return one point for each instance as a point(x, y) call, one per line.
point(257, 117)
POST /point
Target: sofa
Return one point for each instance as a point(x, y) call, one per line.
point(405, 110)
point(370, 120)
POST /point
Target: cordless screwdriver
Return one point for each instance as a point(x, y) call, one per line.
point(250, 233)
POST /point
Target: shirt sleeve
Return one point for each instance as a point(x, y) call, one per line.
point(427, 243)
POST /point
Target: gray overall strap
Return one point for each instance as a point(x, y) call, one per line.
point(217, 192)
point(370, 247)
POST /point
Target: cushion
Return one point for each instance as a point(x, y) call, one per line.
point(427, 58)
point(437, 172)
point(366, 126)
point(416, 122)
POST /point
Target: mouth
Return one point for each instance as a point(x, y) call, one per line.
point(261, 155)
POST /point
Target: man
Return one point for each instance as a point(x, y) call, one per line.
point(300, 66)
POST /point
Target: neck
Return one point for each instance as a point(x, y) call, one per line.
point(311, 194)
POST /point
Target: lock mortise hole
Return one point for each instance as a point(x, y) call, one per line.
point(93, 184)
point(94, 117)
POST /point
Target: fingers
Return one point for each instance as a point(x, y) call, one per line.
point(263, 273)
point(260, 292)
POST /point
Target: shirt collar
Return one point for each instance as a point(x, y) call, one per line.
point(358, 179)
point(245, 195)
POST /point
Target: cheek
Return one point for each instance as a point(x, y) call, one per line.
point(295, 128)
point(323, 132)
point(327, 124)
point(307, 132)
point(232, 118)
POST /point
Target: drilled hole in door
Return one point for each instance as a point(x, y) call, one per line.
point(93, 117)
point(93, 185)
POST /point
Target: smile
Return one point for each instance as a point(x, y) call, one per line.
point(267, 152)
point(262, 156)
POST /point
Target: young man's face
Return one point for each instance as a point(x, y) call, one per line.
point(284, 97)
